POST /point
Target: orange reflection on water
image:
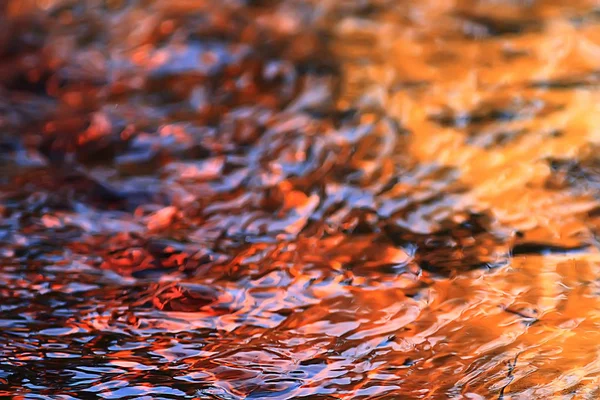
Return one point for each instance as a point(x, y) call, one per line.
point(299, 199)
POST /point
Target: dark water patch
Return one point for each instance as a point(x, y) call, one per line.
point(581, 174)
point(544, 249)
point(590, 17)
point(589, 81)
point(484, 26)
point(492, 139)
point(486, 114)
point(461, 243)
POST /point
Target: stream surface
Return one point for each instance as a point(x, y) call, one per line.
point(299, 199)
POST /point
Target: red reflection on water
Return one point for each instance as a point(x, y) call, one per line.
point(298, 200)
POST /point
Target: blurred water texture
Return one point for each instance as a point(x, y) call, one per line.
point(299, 199)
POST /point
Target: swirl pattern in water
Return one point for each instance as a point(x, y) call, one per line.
point(299, 199)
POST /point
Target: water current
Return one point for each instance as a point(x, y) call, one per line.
point(299, 199)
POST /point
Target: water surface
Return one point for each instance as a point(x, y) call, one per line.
point(299, 199)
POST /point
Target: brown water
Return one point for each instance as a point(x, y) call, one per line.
point(300, 199)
